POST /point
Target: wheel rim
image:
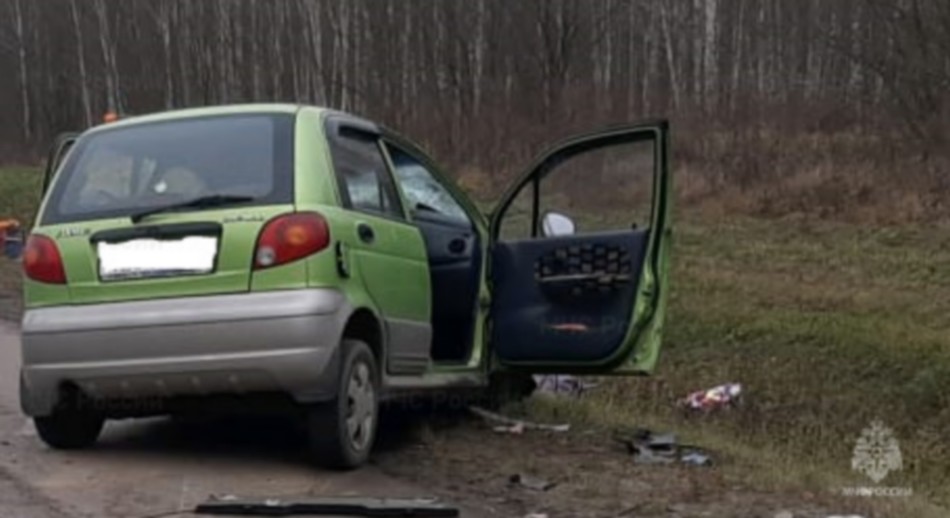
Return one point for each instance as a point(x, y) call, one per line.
point(361, 406)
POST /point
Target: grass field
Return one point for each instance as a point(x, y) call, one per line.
point(19, 192)
point(829, 326)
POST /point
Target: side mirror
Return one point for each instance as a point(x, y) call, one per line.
point(555, 224)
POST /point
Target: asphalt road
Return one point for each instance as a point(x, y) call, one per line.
point(146, 467)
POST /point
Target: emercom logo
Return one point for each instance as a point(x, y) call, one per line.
point(877, 452)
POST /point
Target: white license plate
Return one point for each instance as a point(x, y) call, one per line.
point(145, 258)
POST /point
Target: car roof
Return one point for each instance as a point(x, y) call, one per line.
point(210, 111)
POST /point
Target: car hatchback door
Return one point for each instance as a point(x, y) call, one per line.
point(121, 210)
point(580, 256)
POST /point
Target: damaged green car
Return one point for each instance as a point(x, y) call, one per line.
point(208, 255)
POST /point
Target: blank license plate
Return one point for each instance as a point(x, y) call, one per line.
point(146, 258)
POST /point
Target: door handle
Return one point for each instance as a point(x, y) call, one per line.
point(365, 233)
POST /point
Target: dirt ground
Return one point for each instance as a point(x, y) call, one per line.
point(464, 460)
point(141, 468)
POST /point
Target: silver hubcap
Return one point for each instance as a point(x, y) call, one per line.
point(361, 406)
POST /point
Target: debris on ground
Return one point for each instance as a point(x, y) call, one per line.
point(562, 384)
point(650, 448)
point(515, 429)
point(715, 398)
point(695, 458)
point(329, 506)
point(533, 483)
point(517, 425)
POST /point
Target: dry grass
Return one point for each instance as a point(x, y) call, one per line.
point(846, 177)
point(828, 326)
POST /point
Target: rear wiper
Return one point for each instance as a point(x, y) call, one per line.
point(203, 202)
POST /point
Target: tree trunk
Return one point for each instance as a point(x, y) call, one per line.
point(27, 121)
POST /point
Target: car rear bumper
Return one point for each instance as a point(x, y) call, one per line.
point(283, 341)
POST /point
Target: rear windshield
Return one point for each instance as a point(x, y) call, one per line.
point(119, 172)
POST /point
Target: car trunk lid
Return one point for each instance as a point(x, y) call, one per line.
point(169, 208)
point(185, 254)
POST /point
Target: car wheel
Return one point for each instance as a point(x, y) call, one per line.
point(74, 424)
point(342, 431)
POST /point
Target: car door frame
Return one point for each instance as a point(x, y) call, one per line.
point(57, 153)
point(639, 350)
point(401, 355)
point(480, 223)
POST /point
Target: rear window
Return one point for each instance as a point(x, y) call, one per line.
point(119, 172)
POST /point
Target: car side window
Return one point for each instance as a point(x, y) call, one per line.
point(365, 184)
point(422, 190)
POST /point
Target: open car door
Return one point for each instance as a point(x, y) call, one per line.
point(61, 146)
point(580, 256)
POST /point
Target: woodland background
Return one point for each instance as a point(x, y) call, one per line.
point(834, 108)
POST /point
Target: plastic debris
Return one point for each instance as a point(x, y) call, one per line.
point(562, 384)
point(515, 424)
point(647, 447)
point(329, 506)
point(695, 458)
point(533, 483)
point(515, 429)
point(715, 398)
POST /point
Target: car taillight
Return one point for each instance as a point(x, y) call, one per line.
point(42, 262)
point(290, 237)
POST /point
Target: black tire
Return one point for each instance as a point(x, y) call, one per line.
point(73, 425)
point(328, 424)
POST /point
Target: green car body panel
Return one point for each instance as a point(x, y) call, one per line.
point(387, 278)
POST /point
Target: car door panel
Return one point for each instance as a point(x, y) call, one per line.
point(584, 303)
point(576, 300)
point(387, 252)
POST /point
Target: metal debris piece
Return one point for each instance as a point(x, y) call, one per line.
point(223, 498)
point(512, 422)
point(339, 506)
point(533, 483)
point(649, 448)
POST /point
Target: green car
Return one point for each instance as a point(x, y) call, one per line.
point(300, 255)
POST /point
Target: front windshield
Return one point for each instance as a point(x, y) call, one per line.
point(124, 171)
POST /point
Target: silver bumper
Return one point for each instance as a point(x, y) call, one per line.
point(283, 341)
